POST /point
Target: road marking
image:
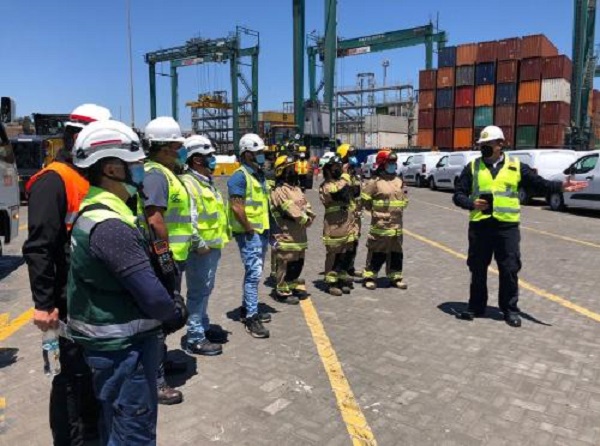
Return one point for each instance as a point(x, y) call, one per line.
point(527, 228)
point(356, 423)
point(8, 328)
point(2, 410)
point(23, 227)
point(522, 283)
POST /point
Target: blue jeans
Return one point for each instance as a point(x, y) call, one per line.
point(125, 386)
point(200, 273)
point(253, 251)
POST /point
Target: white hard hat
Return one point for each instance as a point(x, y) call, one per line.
point(86, 113)
point(198, 144)
point(106, 139)
point(163, 129)
point(491, 133)
point(251, 142)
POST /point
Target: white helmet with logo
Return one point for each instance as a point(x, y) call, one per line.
point(198, 144)
point(106, 139)
point(163, 129)
point(251, 142)
point(86, 113)
point(491, 133)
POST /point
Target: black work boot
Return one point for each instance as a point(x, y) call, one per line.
point(204, 348)
point(168, 395)
point(264, 317)
point(334, 289)
point(512, 319)
point(469, 315)
point(286, 297)
point(255, 327)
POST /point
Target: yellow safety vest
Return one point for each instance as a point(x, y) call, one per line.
point(212, 223)
point(504, 188)
point(178, 216)
point(257, 205)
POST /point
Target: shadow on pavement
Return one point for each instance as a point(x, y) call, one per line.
point(8, 356)
point(455, 308)
point(235, 314)
point(8, 264)
point(179, 356)
point(533, 319)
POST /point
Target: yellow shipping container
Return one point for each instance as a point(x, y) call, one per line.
point(275, 117)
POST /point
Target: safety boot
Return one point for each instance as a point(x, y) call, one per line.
point(168, 395)
point(255, 328)
point(334, 290)
point(286, 297)
point(400, 284)
point(370, 284)
point(264, 317)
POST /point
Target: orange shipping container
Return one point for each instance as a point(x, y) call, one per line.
point(445, 77)
point(484, 96)
point(466, 54)
point(529, 92)
point(463, 138)
point(425, 138)
point(426, 99)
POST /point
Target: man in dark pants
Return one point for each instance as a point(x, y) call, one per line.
point(489, 188)
point(55, 194)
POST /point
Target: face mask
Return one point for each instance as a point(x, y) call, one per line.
point(137, 173)
point(211, 163)
point(260, 159)
point(486, 151)
point(131, 190)
point(181, 156)
point(353, 161)
point(390, 168)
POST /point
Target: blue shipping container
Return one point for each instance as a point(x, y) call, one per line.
point(484, 116)
point(445, 98)
point(506, 94)
point(485, 74)
point(465, 76)
point(447, 57)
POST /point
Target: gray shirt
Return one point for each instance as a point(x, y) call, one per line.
point(156, 188)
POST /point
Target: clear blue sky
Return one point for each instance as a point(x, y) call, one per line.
point(57, 54)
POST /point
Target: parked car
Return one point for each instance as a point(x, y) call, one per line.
point(586, 168)
point(448, 169)
point(546, 162)
point(417, 169)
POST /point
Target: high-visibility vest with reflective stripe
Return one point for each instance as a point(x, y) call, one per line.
point(504, 188)
point(76, 188)
point(103, 315)
point(302, 167)
point(256, 205)
point(212, 226)
point(178, 215)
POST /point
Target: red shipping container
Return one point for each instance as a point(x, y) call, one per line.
point(528, 114)
point(537, 45)
point(558, 67)
point(426, 118)
point(466, 54)
point(445, 77)
point(509, 136)
point(444, 138)
point(505, 116)
point(464, 97)
point(444, 118)
point(487, 51)
point(555, 113)
point(426, 99)
point(552, 135)
point(463, 118)
point(531, 69)
point(425, 138)
point(509, 49)
point(427, 79)
point(508, 72)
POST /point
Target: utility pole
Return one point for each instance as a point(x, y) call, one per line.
point(130, 64)
point(385, 64)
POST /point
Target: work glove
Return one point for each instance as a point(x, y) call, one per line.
point(180, 320)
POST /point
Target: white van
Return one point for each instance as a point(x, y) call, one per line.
point(586, 168)
point(9, 190)
point(417, 169)
point(368, 166)
point(448, 169)
point(546, 162)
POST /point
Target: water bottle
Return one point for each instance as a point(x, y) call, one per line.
point(51, 353)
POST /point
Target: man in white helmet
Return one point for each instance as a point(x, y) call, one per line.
point(55, 194)
point(489, 188)
point(167, 207)
point(211, 234)
point(117, 304)
point(249, 219)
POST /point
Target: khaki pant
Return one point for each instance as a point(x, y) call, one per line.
point(289, 268)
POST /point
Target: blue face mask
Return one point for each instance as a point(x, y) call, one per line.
point(211, 163)
point(353, 161)
point(390, 168)
point(137, 173)
point(181, 156)
point(260, 159)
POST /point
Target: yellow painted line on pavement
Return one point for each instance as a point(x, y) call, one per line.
point(527, 228)
point(2, 409)
point(522, 283)
point(356, 423)
point(10, 327)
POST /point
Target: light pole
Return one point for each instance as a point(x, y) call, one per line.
point(130, 63)
point(385, 64)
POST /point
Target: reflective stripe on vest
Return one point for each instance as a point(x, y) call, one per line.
point(178, 215)
point(385, 232)
point(383, 204)
point(114, 330)
point(76, 188)
point(504, 188)
point(256, 205)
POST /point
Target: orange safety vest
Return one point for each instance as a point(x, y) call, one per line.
point(76, 187)
point(302, 167)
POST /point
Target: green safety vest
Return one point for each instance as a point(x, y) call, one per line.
point(103, 315)
point(178, 216)
point(504, 188)
point(257, 205)
point(212, 222)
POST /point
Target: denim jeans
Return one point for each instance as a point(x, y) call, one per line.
point(125, 386)
point(253, 251)
point(200, 273)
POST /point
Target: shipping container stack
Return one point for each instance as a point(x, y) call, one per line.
point(594, 112)
point(519, 84)
point(427, 87)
